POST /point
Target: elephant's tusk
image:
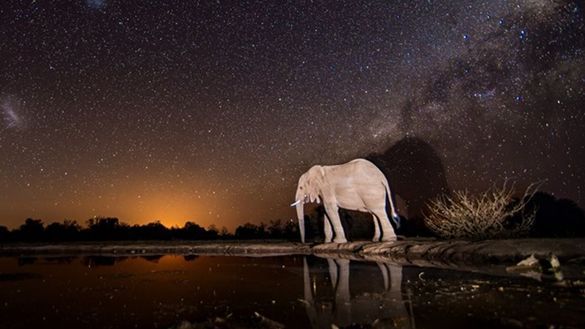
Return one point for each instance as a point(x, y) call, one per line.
point(295, 203)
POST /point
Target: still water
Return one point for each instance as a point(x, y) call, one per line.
point(272, 292)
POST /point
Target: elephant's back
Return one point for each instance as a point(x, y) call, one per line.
point(363, 165)
point(361, 171)
point(356, 170)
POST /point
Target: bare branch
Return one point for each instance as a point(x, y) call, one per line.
point(486, 216)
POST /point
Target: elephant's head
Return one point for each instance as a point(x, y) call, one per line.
point(308, 190)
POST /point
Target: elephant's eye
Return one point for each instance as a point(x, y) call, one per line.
point(300, 188)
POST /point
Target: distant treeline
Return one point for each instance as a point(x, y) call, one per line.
point(553, 218)
point(110, 228)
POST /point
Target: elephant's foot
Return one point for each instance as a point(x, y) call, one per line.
point(340, 240)
point(376, 239)
point(389, 238)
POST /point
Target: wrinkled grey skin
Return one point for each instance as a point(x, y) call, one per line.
point(356, 185)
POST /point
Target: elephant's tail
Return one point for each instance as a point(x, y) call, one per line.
point(394, 215)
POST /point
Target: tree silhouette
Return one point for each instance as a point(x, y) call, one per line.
point(224, 233)
point(66, 231)
point(247, 231)
point(105, 228)
point(275, 229)
point(556, 217)
point(4, 233)
point(279, 229)
point(193, 231)
point(150, 231)
point(212, 232)
point(31, 230)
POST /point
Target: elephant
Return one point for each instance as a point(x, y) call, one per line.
point(355, 185)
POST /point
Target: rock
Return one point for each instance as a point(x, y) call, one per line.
point(185, 325)
point(530, 264)
point(268, 323)
point(555, 263)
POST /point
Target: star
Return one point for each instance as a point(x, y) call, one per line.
point(219, 106)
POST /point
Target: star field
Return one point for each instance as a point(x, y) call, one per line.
point(210, 110)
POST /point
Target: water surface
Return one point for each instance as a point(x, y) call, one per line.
point(295, 291)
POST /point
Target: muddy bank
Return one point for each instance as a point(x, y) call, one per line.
point(145, 248)
point(421, 252)
point(490, 257)
point(478, 252)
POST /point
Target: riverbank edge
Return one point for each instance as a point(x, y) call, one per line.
point(408, 251)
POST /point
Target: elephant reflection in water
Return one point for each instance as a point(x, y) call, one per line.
point(384, 308)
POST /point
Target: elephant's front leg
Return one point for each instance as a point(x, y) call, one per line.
point(342, 295)
point(376, 228)
point(332, 211)
point(328, 230)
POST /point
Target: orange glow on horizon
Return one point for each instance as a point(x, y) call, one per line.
point(144, 202)
point(171, 209)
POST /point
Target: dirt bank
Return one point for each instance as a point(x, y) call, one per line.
point(491, 257)
point(145, 248)
point(489, 251)
point(410, 251)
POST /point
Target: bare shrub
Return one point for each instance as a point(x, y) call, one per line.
point(492, 214)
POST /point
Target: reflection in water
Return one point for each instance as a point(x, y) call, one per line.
point(190, 258)
point(18, 276)
point(61, 259)
point(294, 291)
point(22, 261)
point(152, 258)
point(383, 306)
point(93, 261)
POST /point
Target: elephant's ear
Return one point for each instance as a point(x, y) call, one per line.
point(314, 183)
point(312, 191)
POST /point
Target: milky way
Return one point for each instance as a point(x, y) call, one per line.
point(10, 113)
point(209, 111)
point(96, 4)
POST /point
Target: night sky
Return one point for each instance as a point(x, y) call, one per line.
point(209, 111)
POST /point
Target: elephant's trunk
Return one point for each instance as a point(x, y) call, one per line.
point(301, 216)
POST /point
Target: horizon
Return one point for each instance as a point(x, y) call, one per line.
point(84, 223)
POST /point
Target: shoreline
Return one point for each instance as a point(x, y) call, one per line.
point(408, 251)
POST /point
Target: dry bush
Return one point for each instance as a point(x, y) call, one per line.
point(492, 214)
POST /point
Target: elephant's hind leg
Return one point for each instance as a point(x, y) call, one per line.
point(385, 275)
point(387, 230)
point(332, 211)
